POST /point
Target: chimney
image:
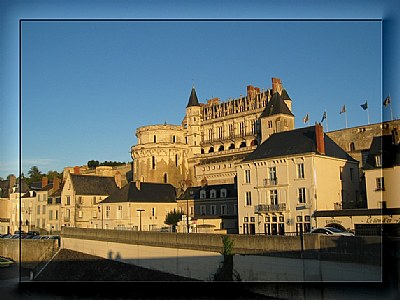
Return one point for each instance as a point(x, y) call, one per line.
point(45, 181)
point(56, 184)
point(13, 180)
point(137, 182)
point(76, 170)
point(319, 136)
point(276, 85)
point(118, 179)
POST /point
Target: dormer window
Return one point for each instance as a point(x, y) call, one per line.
point(202, 194)
point(213, 194)
point(378, 160)
point(223, 193)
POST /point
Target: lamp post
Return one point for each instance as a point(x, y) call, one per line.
point(100, 208)
point(187, 215)
point(140, 218)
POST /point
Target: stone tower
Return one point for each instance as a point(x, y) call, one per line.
point(277, 115)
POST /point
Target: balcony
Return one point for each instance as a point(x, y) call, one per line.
point(66, 219)
point(270, 182)
point(266, 208)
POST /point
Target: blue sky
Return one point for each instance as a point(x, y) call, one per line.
point(86, 86)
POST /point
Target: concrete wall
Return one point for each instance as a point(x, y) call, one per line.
point(33, 252)
point(203, 265)
point(352, 249)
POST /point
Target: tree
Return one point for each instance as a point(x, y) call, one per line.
point(173, 217)
point(34, 175)
point(53, 174)
point(92, 164)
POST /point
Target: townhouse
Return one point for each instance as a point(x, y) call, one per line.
point(290, 176)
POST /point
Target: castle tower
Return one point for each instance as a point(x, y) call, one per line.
point(160, 155)
point(277, 115)
point(192, 123)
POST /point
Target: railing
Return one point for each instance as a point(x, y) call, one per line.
point(263, 208)
point(228, 137)
point(270, 182)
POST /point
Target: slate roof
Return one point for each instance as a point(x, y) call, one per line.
point(276, 106)
point(296, 142)
point(193, 101)
point(149, 193)
point(194, 192)
point(93, 185)
point(285, 95)
point(383, 145)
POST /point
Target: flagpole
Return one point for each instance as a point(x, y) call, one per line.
point(368, 115)
point(390, 106)
point(327, 123)
point(345, 115)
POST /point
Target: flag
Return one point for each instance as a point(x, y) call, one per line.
point(343, 110)
point(365, 105)
point(387, 101)
point(323, 117)
point(305, 119)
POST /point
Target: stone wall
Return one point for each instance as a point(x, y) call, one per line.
point(33, 252)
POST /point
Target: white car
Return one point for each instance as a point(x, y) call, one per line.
point(331, 231)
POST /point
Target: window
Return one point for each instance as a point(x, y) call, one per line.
point(80, 214)
point(153, 162)
point(269, 124)
point(352, 146)
point(247, 176)
point(380, 184)
point(272, 175)
point(213, 209)
point(213, 194)
point(378, 160)
point(300, 170)
point(176, 160)
point(67, 213)
point(223, 209)
point(248, 198)
point(273, 196)
point(153, 211)
point(38, 209)
point(108, 208)
point(341, 173)
point(43, 209)
point(94, 200)
point(202, 209)
point(174, 139)
point(220, 132)
point(241, 129)
point(155, 139)
point(202, 194)
point(68, 200)
point(301, 192)
point(56, 214)
point(223, 193)
point(231, 130)
point(50, 215)
point(165, 178)
point(119, 212)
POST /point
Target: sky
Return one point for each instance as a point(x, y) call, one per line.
point(86, 86)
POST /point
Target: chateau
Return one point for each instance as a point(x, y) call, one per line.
point(212, 138)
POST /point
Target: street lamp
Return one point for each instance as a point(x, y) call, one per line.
point(100, 208)
point(187, 214)
point(140, 218)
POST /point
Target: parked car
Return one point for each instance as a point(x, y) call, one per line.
point(331, 231)
point(5, 262)
point(6, 236)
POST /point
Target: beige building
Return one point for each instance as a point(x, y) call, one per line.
point(381, 170)
point(212, 138)
point(290, 176)
point(139, 206)
point(80, 198)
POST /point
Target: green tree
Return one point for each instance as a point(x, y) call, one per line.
point(34, 175)
point(92, 164)
point(53, 174)
point(173, 217)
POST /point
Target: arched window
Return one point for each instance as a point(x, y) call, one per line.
point(211, 150)
point(165, 178)
point(243, 144)
point(254, 143)
point(232, 146)
point(221, 148)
